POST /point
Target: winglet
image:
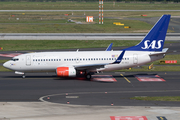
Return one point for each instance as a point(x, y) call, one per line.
point(154, 40)
point(109, 47)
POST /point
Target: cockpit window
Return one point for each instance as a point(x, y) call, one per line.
point(15, 59)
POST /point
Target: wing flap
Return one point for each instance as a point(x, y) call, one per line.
point(90, 66)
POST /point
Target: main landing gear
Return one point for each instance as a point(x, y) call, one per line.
point(88, 76)
point(85, 74)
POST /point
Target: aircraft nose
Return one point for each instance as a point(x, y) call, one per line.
point(6, 65)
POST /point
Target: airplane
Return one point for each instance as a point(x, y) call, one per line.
point(86, 63)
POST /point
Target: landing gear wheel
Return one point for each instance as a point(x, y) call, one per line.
point(23, 76)
point(88, 76)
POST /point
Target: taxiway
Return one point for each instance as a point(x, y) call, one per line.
point(44, 96)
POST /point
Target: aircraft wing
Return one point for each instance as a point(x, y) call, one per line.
point(95, 66)
point(90, 66)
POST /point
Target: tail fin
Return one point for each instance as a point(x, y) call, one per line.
point(154, 40)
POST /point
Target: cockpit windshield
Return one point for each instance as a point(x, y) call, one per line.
point(15, 59)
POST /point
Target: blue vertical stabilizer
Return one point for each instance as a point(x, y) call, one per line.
point(154, 40)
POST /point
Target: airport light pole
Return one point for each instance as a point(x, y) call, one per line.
point(100, 11)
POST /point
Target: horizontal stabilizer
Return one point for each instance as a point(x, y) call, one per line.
point(164, 51)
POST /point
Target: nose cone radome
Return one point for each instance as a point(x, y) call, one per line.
point(6, 65)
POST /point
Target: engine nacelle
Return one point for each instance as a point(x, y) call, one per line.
point(66, 72)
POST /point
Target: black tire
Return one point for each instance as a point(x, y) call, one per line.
point(88, 76)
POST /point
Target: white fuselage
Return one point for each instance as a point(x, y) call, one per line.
point(50, 61)
point(67, 64)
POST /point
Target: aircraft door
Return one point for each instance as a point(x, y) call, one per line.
point(135, 59)
point(28, 60)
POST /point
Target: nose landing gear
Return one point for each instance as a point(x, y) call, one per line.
point(20, 73)
point(24, 76)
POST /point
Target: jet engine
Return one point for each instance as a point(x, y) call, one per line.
point(66, 72)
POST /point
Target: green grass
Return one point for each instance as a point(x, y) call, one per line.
point(85, 6)
point(2, 69)
point(57, 27)
point(3, 61)
point(138, 14)
point(158, 98)
point(14, 45)
point(7, 16)
point(24, 21)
